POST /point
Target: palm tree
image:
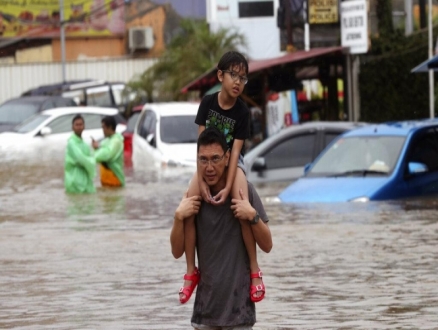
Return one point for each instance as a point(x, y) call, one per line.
point(191, 53)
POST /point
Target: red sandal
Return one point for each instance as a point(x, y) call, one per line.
point(257, 288)
point(188, 290)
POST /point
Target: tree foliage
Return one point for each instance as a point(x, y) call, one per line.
point(191, 53)
point(388, 89)
point(384, 18)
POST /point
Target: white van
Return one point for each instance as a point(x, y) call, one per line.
point(165, 135)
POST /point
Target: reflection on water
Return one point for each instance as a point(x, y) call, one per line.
point(103, 260)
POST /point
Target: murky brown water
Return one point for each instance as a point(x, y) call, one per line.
point(103, 261)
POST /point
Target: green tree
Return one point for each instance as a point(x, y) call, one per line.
point(191, 53)
point(384, 17)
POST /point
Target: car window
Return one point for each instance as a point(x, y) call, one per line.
point(330, 136)
point(117, 93)
point(15, 113)
point(64, 102)
point(30, 123)
point(49, 104)
point(132, 121)
point(293, 152)
point(359, 153)
point(424, 149)
point(178, 129)
point(78, 96)
point(61, 124)
point(99, 96)
point(147, 124)
point(92, 121)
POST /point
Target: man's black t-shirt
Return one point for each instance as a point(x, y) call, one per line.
point(234, 122)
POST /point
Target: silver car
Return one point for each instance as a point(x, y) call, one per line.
point(282, 157)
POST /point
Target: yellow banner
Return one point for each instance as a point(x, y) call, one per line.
point(323, 11)
point(41, 18)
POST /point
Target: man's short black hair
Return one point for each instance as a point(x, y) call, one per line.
point(210, 136)
point(231, 59)
point(110, 122)
point(78, 116)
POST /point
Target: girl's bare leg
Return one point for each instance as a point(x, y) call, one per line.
point(248, 237)
point(190, 233)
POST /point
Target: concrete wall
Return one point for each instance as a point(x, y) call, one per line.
point(36, 54)
point(80, 48)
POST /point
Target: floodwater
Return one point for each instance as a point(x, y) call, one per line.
point(103, 261)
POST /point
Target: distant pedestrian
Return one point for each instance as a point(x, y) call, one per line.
point(109, 153)
point(79, 166)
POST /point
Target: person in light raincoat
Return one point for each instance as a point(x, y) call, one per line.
point(109, 153)
point(79, 166)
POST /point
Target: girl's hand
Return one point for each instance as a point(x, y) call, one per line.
point(205, 192)
point(220, 197)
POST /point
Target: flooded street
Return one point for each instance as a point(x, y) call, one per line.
point(103, 261)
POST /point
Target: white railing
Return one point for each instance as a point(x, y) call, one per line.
point(18, 78)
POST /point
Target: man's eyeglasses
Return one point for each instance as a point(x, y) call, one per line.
point(214, 161)
point(235, 76)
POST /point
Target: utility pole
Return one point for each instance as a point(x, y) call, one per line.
point(409, 25)
point(62, 37)
point(306, 26)
point(422, 8)
point(289, 47)
point(431, 80)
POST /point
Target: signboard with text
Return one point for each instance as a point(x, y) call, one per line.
point(323, 11)
point(354, 26)
point(41, 18)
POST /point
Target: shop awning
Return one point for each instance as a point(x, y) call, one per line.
point(209, 79)
point(431, 63)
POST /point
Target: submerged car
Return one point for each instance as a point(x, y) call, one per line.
point(15, 111)
point(166, 135)
point(377, 162)
point(282, 157)
point(52, 128)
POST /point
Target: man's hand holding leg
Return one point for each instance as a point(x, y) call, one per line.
point(243, 210)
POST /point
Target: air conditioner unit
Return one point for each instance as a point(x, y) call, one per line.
point(141, 38)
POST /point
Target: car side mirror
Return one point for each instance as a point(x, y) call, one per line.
point(307, 167)
point(259, 164)
point(45, 131)
point(416, 168)
point(150, 138)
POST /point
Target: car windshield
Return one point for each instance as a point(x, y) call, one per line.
point(30, 123)
point(179, 129)
point(15, 113)
point(359, 155)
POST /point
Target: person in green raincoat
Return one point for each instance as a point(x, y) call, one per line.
point(109, 153)
point(79, 165)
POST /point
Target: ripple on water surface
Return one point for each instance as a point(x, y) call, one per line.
point(103, 260)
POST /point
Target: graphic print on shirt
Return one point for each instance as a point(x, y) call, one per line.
point(222, 123)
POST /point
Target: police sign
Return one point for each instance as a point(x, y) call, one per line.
point(323, 11)
point(354, 26)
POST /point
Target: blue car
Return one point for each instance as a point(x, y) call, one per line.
point(376, 162)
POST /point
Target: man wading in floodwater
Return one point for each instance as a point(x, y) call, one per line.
point(222, 298)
